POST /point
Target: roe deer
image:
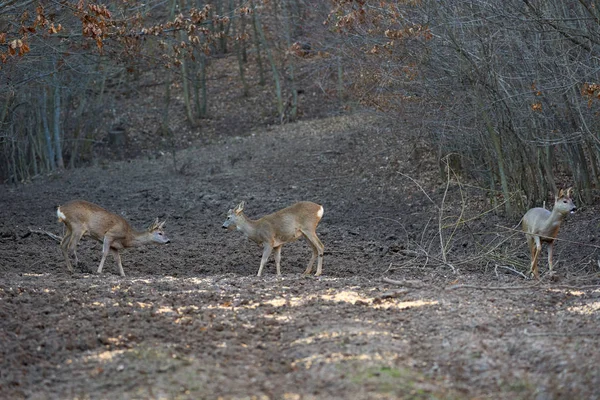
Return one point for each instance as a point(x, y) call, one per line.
point(82, 218)
point(541, 225)
point(283, 226)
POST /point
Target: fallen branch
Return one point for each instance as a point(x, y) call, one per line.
point(41, 232)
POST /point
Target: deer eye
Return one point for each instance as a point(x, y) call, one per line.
point(564, 201)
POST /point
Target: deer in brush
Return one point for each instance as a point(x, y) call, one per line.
point(82, 218)
point(274, 230)
point(541, 225)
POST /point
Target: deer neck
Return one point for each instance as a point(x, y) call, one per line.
point(136, 238)
point(550, 226)
point(249, 227)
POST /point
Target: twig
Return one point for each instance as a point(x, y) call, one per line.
point(388, 268)
point(420, 187)
point(41, 232)
point(511, 270)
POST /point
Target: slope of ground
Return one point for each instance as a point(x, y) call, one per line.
point(191, 319)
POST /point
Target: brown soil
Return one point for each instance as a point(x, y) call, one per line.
point(191, 319)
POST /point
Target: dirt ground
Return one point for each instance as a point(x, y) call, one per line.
point(191, 320)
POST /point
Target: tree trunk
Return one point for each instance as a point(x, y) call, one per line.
point(57, 133)
point(45, 126)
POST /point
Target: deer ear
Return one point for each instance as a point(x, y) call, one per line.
point(570, 191)
point(239, 208)
point(153, 225)
point(560, 193)
point(162, 224)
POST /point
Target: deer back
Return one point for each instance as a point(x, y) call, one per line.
point(288, 222)
point(93, 219)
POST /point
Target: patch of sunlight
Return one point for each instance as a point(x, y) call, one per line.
point(147, 281)
point(354, 297)
point(573, 292)
point(568, 291)
point(178, 310)
point(400, 305)
point(143, 305)
point(104, 356)
point(119, 340)
point(335, 335)
point(278, 317)
point(198, 281)
point(32, 274)
point(296, 396)
point(165, 310)
point(183, 320)
point(286, 396)
point(346, 296)
point(586, 308)
point(277, 302)
point(308, 362)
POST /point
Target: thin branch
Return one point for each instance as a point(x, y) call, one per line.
point(514, 271)
point(41, 232)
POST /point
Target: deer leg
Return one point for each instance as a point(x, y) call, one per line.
point(64, 244)
point(278, 259)
point(321, 249)
point(71, 245)
point(534, 262)
point(317, 248)
point(312, 258)
point(105, 250)
point(118, 260)
point(266, 253)
point(531, 246)
point(75, 238)
point(550, 251)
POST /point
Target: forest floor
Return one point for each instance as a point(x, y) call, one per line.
point(191, 320)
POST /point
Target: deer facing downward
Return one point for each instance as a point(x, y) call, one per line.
point(82, 218)
point(541, 225)
point(274, 230)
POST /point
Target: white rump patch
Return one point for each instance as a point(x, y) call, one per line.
point(320, 212)
point(60, 215)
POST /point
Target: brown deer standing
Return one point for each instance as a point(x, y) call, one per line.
point(274, 230)
point(82, 218)
point(541, 225)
